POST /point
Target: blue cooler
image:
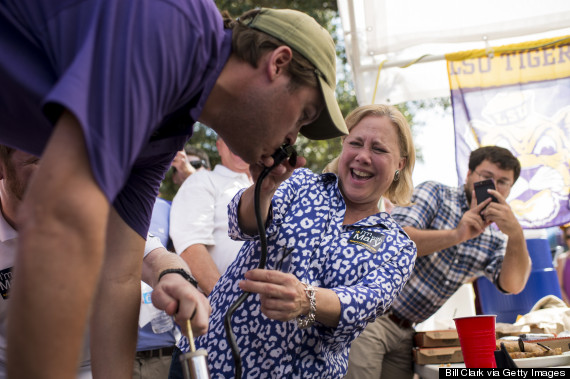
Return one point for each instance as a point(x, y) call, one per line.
point(543, 281)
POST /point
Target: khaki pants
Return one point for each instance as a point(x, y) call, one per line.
point(152, 368)
point(382, 351)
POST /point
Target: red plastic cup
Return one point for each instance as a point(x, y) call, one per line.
point(477, 339)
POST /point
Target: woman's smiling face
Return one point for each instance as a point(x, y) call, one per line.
point(369, 159)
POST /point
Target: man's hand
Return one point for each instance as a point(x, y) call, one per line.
point(279, 174)
point(472, 224)
point(501, 214)
point(276, 176)
point(178, 297)
point(173, 293)
point(183, 169)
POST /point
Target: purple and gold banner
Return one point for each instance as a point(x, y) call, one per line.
point(518, 97)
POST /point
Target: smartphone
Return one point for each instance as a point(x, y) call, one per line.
point(481, 190)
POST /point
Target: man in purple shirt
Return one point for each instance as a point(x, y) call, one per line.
point(106, 92)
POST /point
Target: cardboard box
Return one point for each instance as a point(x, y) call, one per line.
point(441, 355)
point(437, 338)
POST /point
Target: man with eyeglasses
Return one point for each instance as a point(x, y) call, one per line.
point(188, 161)
point(455, 243)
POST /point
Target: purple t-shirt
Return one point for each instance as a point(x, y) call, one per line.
point(136, 74)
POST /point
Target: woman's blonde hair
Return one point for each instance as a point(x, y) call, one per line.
point(400, 191)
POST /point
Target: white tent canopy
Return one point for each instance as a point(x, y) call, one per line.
point(398, 32)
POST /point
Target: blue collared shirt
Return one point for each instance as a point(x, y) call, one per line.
point(365, 263)
point(437, 276)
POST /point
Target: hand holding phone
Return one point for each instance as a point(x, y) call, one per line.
point(481, 192)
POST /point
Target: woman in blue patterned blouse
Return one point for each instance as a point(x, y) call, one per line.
point(334, 262)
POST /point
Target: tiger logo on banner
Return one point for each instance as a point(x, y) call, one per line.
point(518, 97)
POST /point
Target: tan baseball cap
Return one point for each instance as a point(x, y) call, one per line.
point(303, 34)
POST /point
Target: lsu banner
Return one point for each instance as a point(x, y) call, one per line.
point(518, 97)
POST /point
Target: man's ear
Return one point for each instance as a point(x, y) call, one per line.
point(278, 61)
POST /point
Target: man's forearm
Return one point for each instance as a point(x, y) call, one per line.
point(59, 259)
point(117, 302)
point(431, 241)
point(516, 265)
point(174, 293)
point(157, 261)
point(202, 266)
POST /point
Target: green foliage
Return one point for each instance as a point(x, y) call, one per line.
point(167, 188)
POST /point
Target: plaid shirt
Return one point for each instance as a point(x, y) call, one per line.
point(437, 276)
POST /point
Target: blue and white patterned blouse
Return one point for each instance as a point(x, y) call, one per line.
point(437, 276)
point(365, 263)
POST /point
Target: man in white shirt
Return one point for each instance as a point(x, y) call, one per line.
point(199, 217)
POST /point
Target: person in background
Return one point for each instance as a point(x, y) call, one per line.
point(106, 93)
point(157, 334)
point(334, 261)
point(562, 266)
point(154, 347)
point(197, 157)
point(16, 170)
point(455, 242)
point(188, 161)
point(199, 217)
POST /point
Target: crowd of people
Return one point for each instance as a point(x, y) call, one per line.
point(98, 102)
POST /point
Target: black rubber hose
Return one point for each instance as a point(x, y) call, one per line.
point(285, 151)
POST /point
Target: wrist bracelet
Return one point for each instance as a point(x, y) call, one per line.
point(304, 322)
point(179, 271)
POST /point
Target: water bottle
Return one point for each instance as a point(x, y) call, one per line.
point(161, 322)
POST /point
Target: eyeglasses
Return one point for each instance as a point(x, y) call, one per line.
point(501, 183)
point(198, 163)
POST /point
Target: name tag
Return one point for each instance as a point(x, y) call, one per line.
point(5, 279)
point(370, 240)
